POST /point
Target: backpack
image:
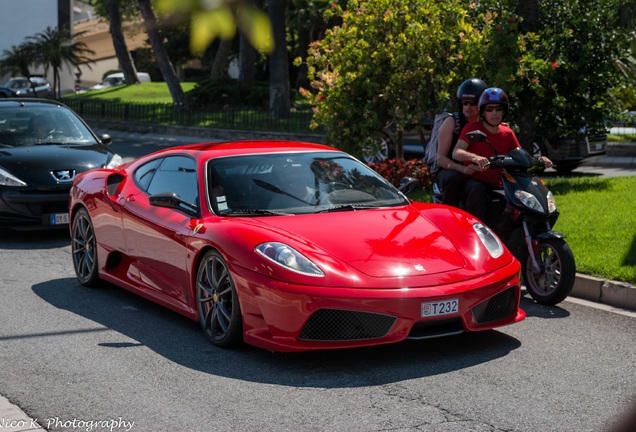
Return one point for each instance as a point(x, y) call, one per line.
point(430, 153)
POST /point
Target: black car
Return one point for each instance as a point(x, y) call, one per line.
point(6, 92)
point(43, 146)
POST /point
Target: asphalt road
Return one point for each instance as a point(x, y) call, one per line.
point(72, 357)
point(70, 353)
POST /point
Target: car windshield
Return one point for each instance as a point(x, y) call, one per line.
point(295, 183)
point(27, 125)
point(17, 84)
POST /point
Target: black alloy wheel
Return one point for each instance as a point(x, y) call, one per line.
point(83, 249)
point(217, 302)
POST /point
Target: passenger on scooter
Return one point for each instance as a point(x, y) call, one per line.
point(450, 177)
point(493, 107)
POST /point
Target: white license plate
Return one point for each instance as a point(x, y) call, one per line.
point(58, 218)
point(442, 307)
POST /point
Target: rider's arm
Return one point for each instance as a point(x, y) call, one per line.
point(444, 142)
point(463, 155)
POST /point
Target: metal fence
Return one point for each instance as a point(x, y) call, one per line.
point(249, 119)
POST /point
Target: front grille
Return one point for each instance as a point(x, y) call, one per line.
point(436, 328)
point(345, 325)
point(497, 307)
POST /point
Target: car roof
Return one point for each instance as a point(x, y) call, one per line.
point(244, 147)
point(23, 101)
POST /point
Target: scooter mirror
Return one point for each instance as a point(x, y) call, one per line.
point(476, 136)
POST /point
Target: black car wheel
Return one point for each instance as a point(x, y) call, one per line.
point(83, 249)
point(217, 302)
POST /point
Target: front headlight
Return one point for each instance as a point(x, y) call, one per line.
point(551, 203)
point(489, 239)
point(115, 161)
point(529, 200)
point(7, 179)
point(289, 258)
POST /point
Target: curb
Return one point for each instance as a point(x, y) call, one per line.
point(15, 420)
point(612, 293)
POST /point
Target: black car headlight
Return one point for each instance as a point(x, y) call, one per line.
point(289, 258)
point(7, 179)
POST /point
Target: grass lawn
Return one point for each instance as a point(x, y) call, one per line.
point(147, 92)
point(598, 216)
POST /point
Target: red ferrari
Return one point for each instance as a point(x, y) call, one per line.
point(288, 246)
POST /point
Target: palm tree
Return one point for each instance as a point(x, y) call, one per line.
point(161, 55)
point(279, 87)
point(17, 60)
point(54, 48)
point(119, 43)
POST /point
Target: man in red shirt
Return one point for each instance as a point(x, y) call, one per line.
point(493, 107)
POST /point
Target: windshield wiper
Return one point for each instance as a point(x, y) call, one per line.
point(257, 212)
point(347, 207)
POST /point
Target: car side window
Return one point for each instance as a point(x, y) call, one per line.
point(144, 174)
point(176, 174)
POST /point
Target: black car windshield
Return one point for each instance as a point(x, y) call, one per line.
point(23, 125)
point(295, 183)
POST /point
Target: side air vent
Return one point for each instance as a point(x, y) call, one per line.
point(113, 183)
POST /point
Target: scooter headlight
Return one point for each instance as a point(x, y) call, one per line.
point(529, 200)
point(551, 203)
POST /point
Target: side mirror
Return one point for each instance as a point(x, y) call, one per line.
point(408, 185)
point(173, 201)
point(479, 137)
point(476, 136)
point(106, 139)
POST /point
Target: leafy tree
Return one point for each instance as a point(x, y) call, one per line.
point(561, 71)
point(388, 61)
point(53, 48)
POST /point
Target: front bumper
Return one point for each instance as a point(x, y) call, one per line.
point(33, 208)
point(283, 317)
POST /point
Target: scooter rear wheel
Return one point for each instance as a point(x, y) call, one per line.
point(554, 282)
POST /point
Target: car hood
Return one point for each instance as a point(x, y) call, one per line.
point(379, 243)
point(46, 165)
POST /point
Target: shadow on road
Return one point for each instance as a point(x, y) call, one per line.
point(142, 323)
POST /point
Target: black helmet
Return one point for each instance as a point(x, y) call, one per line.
point(491, 96)
point(471, 89)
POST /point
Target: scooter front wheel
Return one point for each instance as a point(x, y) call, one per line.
point(557, 272)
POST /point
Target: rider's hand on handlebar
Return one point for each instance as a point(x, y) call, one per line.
point(481, 162)
point(546, 162)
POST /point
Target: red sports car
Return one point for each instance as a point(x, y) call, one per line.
point(288, 246)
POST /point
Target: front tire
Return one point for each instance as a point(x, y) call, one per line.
point(84, 249)
point(217, 302)
point(554, 282)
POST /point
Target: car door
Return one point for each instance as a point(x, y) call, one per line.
point(156, 237)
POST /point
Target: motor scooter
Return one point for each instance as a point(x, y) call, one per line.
point(522, 215)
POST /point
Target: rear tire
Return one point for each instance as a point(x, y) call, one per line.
point(554, 282)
